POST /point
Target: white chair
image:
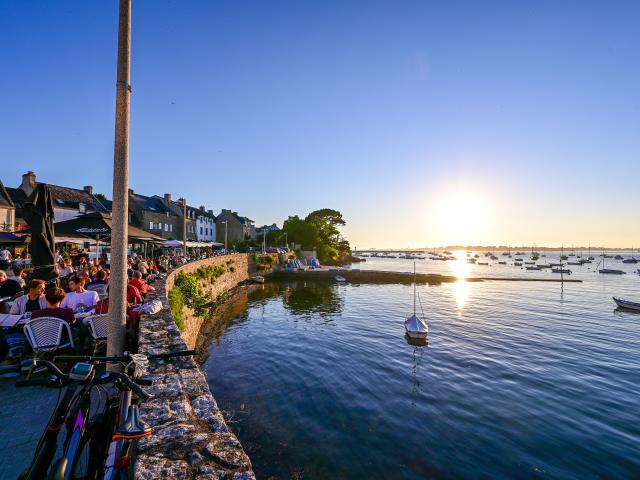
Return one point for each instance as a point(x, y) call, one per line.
point(44, 334)
point(101, 290)
point(98, 326)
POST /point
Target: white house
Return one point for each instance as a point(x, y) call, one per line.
point(205, 225)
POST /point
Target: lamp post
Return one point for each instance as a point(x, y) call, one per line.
point(184, 226)
point(119, 231)
point(225, 235)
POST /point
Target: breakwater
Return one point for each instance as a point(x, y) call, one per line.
point(190, 436)
point(381, 276)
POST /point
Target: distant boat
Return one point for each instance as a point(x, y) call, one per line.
point(631, 260)
point(535, 267)
point(518, 260)
point(529, 263)
point(340, 278)
point(564, 271)
point(482, 263)
point(544, 265)
point(502, 263)
point(627, 304)
point(258, 279)
point(618, 257)
point(415, 327)
point(610, 271)
point(517, 264)
point(574, 263)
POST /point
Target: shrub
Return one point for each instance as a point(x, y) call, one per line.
point(176, 304)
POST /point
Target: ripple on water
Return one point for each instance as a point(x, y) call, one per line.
point(517, 381)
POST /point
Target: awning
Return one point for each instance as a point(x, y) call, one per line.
point(96, 225)
point(178, 243)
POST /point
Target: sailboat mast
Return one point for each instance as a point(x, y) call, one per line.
point(414, 287)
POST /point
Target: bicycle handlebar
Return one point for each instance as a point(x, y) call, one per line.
point(104, 378)
point(125, 358)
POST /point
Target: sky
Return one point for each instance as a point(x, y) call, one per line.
point(422, 122)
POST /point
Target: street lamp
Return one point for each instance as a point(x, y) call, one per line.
point(225, 235)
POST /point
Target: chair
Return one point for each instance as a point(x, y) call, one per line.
point(98, 326)
point(101, 290)
point(45, 334)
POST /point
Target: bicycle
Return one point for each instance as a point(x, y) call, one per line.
point(96, 445)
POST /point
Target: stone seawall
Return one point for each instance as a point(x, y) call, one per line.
point(190, 437)
point(226, 282)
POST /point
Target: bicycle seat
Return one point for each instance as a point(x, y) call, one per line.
point(133, 426)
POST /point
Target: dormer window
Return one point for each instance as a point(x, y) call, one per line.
point(82, 208)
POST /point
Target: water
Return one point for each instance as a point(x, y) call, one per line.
point(519, 379)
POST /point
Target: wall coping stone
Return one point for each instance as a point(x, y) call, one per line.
point(190, 436)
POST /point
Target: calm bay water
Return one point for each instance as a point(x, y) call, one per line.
point(519, 379)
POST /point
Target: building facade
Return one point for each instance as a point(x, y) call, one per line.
point(205, 225)
point(7, 211)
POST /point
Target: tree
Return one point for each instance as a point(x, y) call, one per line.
point(301, 232)
point(327, 222)
point(100, 196)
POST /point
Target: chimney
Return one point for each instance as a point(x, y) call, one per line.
point(28, 182)
point(224, 210)
point(182, 201)
point(167, 197)
point(88, 189)
point(210, 212)
point(130, 191)
point(202, 209)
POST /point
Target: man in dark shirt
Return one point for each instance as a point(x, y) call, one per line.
point(54, 297)
point(101, 275)
point(8, 288)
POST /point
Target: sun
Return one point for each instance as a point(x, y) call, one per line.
point(462, 217)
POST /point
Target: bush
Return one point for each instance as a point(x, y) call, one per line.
point(192, 294)
point(176, 304)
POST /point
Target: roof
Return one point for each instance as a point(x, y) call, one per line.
point(5, 198)
point(18, 197)
point(150, 204)
point(67, 197)
point(205, 213)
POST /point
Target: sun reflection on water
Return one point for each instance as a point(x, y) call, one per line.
point(460, 269)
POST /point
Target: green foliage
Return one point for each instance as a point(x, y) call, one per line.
point(176, 304)
point(192, 293)
point(301, 232)
point(210, 272)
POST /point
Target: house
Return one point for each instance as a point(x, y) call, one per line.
point(7, 211)
point(178, 209)
point(152, 215)
point(237, 228)
point(205, 225)
point(68, 202)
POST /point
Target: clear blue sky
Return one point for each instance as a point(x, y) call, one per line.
point(421, 121)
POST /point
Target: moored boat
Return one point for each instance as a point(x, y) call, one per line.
point(622, 303)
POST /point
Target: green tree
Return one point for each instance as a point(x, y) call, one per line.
point(327, 221)
point(301, 232)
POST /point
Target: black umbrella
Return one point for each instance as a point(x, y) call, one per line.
point(97, 226)
point(38, 212)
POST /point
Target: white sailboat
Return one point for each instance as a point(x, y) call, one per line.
point(414, 325)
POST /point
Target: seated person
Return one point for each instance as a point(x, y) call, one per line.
point(33, 300)
point(54, 297)
point(137, 282)
point(66, 269)
point(8, 288)
point(79, 297)
point(18, 275)
point(101, 276)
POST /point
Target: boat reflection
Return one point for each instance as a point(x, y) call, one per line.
point(416, 342)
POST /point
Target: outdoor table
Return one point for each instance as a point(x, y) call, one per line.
point(11, 321)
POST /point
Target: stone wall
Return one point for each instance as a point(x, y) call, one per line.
point(224, 283)
point(190, 437)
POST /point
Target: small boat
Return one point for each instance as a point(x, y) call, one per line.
point(517, 264)
point(627, 304)
point(258, 279)
point(529, 263)
point(556, 264)
point(535, 267)
point(574, 263)
point(618, 257)
point(482, 263)
point(340, 278)
point(502, 263)
point(416, 328)
point(564, 271)
point(612, 271)
point(544, 265)
point(630, 260)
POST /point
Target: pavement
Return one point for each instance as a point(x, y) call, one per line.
point(24, 413)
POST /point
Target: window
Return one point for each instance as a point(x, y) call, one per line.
point(150, 225)
point(166, 227)
point(200, 230)
point(82, 208)
point(171, 227)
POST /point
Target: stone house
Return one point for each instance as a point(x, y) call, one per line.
point(152, 215)
point(68, 202)
point(238, 228)
point(7, 211)
point(178, 209)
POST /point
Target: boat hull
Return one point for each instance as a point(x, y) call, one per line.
point(626, 304)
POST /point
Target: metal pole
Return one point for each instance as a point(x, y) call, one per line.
point(118, 281)
point(184, 226)
point(225, 237)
